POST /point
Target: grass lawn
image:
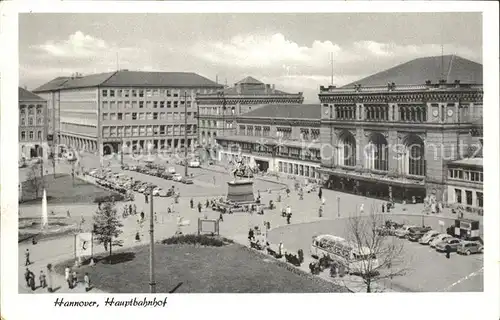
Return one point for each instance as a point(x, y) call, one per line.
point(60, 189)
point(196, 269)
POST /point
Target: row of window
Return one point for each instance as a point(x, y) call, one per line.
point(469, 200)
point(309, 134)
point(147, 116)
point(257, 131)
point(413, 113)
point(417, 113)
point(284, 132)
point(133, 131)
point(466, 175)
point(150, 92)
point(215, 124)
point(298, 169)
point(31, 121)
point(218, 110)
point(31, 109)
point(31, 135)
point(113, 105)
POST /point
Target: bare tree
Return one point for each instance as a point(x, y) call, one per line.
point(34, 180)
point(107, 226)
point(388, 252)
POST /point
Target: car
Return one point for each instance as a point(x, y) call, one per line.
point(167, 176)
point(177, 177)
point(403, 231)
point(451, 243)
point(187, 180)
point(156, 191)
point(171, 170)
point(164, 193)
point(426, 238)
point(416, 233)
point(440, 237)
point(194, 164)
point(468, 247)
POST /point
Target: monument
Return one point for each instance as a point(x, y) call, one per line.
point(240, 190)
point(45, 216)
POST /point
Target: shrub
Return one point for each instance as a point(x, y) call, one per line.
point(109, 198)
point(203, 240)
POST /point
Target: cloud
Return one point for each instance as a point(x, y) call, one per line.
point(78, 45)
point(279, 55)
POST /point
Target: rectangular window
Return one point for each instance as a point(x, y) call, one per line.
point(155, 115)
point(155, 104)
point(162, 115)
point(105, 105)
point(141, 93)
point(39, 135)
point(176, 94)
point(135, 131)
point(134, 104)
point(148, 93)
point(149, 104)
point(120, 105)
point(112, 105)
point(120, 131)
point(134, 93)
point(104, 93)
point(111, 93)
point(141, 104)
point(479, 199)
point(468, 196)
point(169, 104)
point(176, 104)
point(23, 135)
point(126, 93)
point(23, 121)
point(134, 115)
point(119, 93)
point(162, 130)
point(127, 116)
point(458, 195)
point(142, 116)
point(105, 116)
point(162, 104)
point(120, 116)
point(156, 93)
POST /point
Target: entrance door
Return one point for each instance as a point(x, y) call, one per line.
point(263, 165)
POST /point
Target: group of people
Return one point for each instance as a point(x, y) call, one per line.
point(129, 210)
point(71, 278)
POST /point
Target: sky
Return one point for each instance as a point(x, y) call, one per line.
point(292, 51)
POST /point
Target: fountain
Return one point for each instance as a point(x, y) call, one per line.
point(45, 217)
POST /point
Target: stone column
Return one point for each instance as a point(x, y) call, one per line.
point(360, 148)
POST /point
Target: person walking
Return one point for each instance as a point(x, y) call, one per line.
point(74, 277)
point(32, 281)
point(43, 279)
point(448, 251)
point(221, 218)
point(320, 211)
point(135, 209)
point(27, 257)
point(199, 207)
point(323, 201)
point(320, 193)
point(207, 204)
point(86, 279)
point(146, 199)
point(142, 215)
point(49, 278)
point(27, 277)
point(67, 276)
point(191, 203)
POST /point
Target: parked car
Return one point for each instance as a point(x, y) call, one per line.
point(426, 238)
point(194, 164)
point(177, 177)
point(171, 170)
point(186, 180)
point(438, 239)
point(403, 231)
point(451, 243)
point(416, 233)
point(156, 191)
point(164, 193)
point(468, 247)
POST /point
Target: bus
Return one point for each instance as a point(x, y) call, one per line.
point(357, 260)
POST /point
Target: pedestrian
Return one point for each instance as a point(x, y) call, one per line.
point(49, 278)
point(448, 251)
point(287, 192)
point(86, 279)
point(362, 208)
point(279, 197)
point(130, 209)
point(320, 193)
point(288, 217)
point(191, 203)
point(135, 209)
point(251, 235)
point(33, 240)
point(27, 256)
point(323, 201)
point(280, 249)
point(146, 198)
point(32, 281)
point(142, 215)
point(69, 214)
point(320, 211)
point(43, 279)
point(75, 279)
point(383, 208)
point(67, 276)
point(207, 204)
point(27, 277)
point(199, 207)
point(221, 217)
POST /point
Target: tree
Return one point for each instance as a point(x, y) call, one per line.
point(389, 252)
point(34, 180)
point(107, 226)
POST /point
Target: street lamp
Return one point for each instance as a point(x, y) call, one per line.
point(338, 206)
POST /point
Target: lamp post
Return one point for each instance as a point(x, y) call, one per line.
point(152, 283)
point(338, 206)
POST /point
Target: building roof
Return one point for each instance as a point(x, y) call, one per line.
point(418, 71)
point(25, 95)
point(270, 141)
point(125, 78)
point(286, 111)
point(249, 80)
point(476, 162)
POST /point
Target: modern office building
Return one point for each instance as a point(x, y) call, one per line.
point(392, 134)
point(134, 109)
point(218, 110)
point(33, 125)
point(277, 138)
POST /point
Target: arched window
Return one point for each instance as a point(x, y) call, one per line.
point(416, 155)
point(347, 149)
point(377, 154)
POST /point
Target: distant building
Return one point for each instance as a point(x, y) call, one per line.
point(33, 125)
point(134, 109)
point(218, 110)
point(277, 138)
point(465, 184)
point(391, 135)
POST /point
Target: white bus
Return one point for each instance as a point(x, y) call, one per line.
point(338, 249)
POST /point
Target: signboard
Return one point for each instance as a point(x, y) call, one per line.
point(83, 244)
